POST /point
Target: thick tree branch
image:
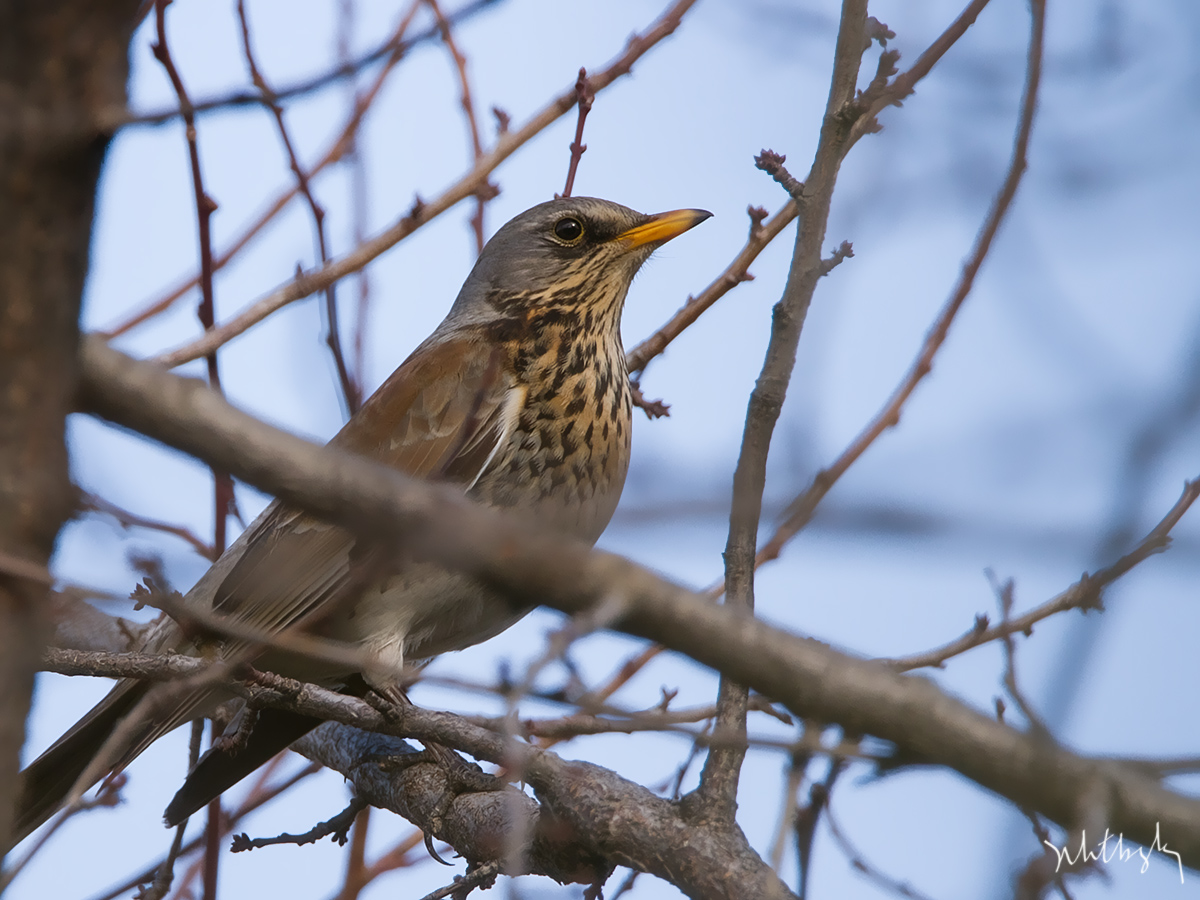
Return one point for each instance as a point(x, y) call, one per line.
point(476, 825)
point(589, 817)
point(811, 679)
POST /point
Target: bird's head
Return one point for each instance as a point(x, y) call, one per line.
point(572, 256)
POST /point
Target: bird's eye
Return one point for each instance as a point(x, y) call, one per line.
point(569, 229)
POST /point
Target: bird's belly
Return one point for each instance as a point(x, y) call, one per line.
point(565, 473)
point(424, 611)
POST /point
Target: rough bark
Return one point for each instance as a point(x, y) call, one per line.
point(63, 67)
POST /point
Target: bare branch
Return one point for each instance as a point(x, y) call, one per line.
point(205, 207)
point(735, 273)
point(800, 510)
point(468, 107)
point(474, 181)
point(585, 96)
point(860, 863)
point(717, 793)
point(337, 148)
point(809, 678)
point(337, 828)
point(127, 519)
point(392, 48)
point(351, 390)
point(1085, 594)
point(257, 797)
point(772, 163)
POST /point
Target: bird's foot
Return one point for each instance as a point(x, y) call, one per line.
point(392, 712)
point(462, 777)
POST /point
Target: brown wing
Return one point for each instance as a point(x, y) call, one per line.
point(441, 415)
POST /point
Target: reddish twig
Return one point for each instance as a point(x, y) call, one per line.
point(108, 795)
point(584, 98)
point(425, 212)
point(205, 206)
point(258, 796)
point(488, 191)
point(357, 169)
point(396, 858)
point(336, 150)
point(346, 69)
point(356, 868)
point(1085, 594)
point(904, 84)
point(127, 519)
point(1005, 597)
point(800, 511)
point(351, 391)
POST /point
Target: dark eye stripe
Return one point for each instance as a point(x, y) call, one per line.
point(568, 229)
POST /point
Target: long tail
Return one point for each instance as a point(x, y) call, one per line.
point(47, 781)
point(219, 770)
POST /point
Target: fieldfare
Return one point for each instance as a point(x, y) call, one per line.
point(520, 396)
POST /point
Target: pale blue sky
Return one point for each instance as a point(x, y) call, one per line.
point(1083, 331)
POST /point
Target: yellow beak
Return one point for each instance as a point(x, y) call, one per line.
point(662, 227)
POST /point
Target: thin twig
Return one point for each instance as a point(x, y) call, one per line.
point(158, 888)
point(809, 816)
point(1085, 594)
point(351, 389)
point(787, 814)
point(400, 856)
point(127, 519)
point(356, 877)
point(108, 795)
point(256, 798)
point(480, 876)
point(337, 827)
point(584, 98)
point(205, 206)
point(488, 192)
point(355, 165)
point(425, 211)
point(388, 49)
point(1004, 592)
point(858, 861)
point(761, 234)
point(165, 875)
point(336, 150)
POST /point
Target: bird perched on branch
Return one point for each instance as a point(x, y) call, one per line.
point(520, 396)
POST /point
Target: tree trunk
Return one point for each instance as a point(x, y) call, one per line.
point(63, 67)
